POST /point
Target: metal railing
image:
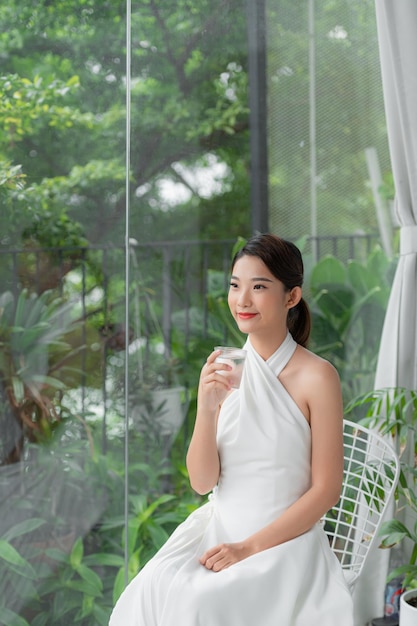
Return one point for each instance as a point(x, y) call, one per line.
point(166, 276)
point(171, 284)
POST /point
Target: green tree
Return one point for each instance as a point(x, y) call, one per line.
point(63, 110)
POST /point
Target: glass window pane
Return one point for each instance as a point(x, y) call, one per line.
point(113, 283)
point(325, 111)
point(64, 400)
point(329, 172)
point(62, 308)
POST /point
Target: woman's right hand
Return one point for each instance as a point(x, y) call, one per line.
point(203, 457)
point(213, 386)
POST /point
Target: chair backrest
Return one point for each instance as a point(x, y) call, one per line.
point(371, 474)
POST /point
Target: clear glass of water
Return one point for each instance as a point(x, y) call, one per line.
point(235, 357)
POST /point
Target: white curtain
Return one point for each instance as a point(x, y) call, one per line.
point(397, 360)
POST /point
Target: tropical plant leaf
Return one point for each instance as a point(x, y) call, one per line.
point(90, 577)
point(98, 558)
point(77, 552)
point(328, 271)
point(23, 528)
point(10, 618)
point(20, 565)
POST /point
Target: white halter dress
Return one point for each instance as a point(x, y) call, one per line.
point(264, 443)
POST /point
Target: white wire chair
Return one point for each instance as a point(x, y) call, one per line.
point(371, 475)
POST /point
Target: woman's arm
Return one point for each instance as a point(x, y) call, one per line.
point(322, 390)
point(203, 461)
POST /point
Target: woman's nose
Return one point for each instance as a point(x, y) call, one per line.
point(244, 298)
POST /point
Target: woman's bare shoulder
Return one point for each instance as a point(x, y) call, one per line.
point(311, 381)
point(313, 367)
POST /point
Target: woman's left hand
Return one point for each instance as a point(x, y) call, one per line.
point(224, 555)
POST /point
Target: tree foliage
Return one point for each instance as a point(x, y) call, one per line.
point(63, 114)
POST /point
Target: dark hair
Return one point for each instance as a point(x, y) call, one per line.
point(284, 261)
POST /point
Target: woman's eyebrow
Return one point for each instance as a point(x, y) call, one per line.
point(255, 279)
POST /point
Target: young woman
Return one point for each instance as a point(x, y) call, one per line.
point(271, 454)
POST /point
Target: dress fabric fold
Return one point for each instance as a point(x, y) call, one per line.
point(264, 444)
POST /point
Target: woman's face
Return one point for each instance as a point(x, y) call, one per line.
point(257, 300)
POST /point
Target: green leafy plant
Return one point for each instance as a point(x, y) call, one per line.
point(15, 568)
point(58, 586)
point(72, 589)
point(348, 303)
point(55, 565)
point(393, 411)
point(11, 178)
point(149, 526)
point(33, 354)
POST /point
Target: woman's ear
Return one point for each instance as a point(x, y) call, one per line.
point(293, 297)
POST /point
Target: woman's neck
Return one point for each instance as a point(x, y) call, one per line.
point(266, 346)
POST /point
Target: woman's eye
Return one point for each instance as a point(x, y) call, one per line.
point(259, 286)
point(233, 285)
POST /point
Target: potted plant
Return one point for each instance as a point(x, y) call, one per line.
point(156, 393)
point(33, 355)
point(393, 411)
point(40, 473)
point(408, 608)
point(34, 420)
